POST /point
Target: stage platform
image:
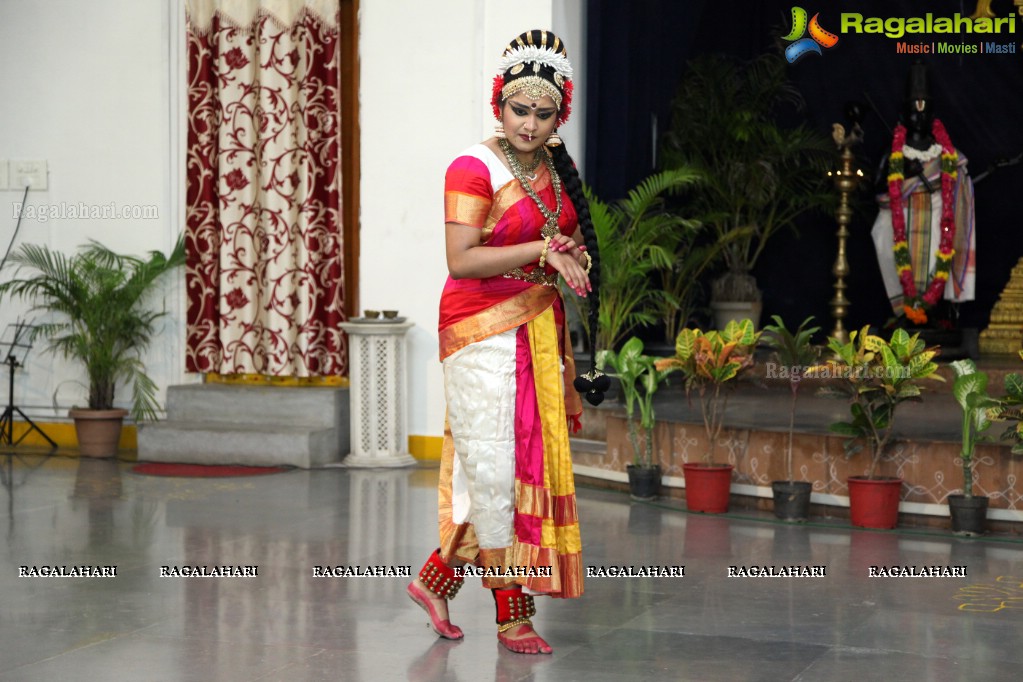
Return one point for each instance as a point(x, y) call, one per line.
point(924, 454)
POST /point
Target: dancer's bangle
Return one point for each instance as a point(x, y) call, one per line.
point(589, 261)
point(543, 254)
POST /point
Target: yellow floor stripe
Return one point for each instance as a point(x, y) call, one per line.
point(425, 448)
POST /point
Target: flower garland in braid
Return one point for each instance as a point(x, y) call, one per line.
point(594, 383)
point(914, 305)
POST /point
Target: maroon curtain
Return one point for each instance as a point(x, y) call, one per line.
point(263, 220)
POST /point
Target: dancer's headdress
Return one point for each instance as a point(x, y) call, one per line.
point(535, 64)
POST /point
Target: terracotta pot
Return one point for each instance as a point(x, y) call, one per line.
point(708, 487)
point(98, 431)
point(874, 503)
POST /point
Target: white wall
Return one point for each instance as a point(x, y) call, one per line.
point(569, 23)
point(86, 86)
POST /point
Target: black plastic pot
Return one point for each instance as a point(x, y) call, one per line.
point(969, 514)
point(791, 500)
point(644, 481)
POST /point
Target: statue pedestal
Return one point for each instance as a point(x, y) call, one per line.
point(379, 430)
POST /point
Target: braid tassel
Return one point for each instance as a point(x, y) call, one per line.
point(594, 383)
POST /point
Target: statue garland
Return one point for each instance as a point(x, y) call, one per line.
point(914, 305)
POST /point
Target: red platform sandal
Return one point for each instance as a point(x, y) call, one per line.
point(513, 611)
point(440, 579)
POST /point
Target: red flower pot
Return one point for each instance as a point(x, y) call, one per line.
point(874, 503)
point(708, 487)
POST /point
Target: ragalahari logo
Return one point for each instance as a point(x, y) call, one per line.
point(801, 46)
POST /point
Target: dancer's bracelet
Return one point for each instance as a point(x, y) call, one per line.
point(543, 254)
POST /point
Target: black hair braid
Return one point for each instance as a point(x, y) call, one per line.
point(593, 384)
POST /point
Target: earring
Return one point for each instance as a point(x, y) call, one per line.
point(499, 131)
point(553, 140)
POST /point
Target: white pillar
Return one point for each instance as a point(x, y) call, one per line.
point(379, 413)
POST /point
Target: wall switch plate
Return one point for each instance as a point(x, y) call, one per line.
point(3, 175)
point(31, 173)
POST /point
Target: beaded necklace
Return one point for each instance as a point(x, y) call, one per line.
point(550, 228)
point(915, 305)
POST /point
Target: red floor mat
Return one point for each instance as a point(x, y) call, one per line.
point(202, 470)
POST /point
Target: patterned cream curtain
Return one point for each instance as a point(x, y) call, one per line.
point(263, 221)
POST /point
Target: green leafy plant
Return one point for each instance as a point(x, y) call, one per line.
point(637, 238)
point(1011, 410)
point(95, 305)
point(970, 391)
point(877, 376)
point(709, 361)
point(639, 379)
point(760, 176)
point(795, 352)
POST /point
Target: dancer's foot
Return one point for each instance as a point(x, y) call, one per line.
point(436, 583)
point(522, 639)
point(436, 607)
point(514, 629)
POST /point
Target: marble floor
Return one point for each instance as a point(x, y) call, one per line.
point(285, 624)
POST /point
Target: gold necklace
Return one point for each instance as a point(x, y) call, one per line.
point(530, 170)
point(550, 228)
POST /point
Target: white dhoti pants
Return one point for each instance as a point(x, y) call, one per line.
point(479, 384)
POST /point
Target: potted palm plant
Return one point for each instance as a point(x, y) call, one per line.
point(759, 175)
point(709, 361)
point(639, 381)
point(795, 353)
point(680, 285)
point(96, 314)
point(877, 376)
point(637, 237)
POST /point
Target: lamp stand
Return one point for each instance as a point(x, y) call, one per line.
point(846, 179)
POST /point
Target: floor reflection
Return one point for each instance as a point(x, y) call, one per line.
point(432, 665)
point(288, 624)
point(98, 488)
point(15, 471)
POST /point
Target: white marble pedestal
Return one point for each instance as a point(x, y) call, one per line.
point(377, 375)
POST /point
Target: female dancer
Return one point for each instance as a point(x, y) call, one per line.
point(516, 221)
